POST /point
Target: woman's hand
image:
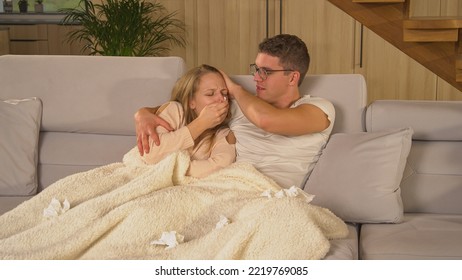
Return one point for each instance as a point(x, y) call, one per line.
point(214, 114)
point(146, 122)
point(211, 116)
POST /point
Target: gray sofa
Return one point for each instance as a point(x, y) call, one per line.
point(392, 170)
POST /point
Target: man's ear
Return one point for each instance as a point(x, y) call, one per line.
point(295, 78)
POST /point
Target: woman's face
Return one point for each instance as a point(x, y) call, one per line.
point(212, 89)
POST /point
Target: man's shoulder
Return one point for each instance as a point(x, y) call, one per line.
point(309, 99)
point(320, 102)
point(235, 109)
point(314, 100)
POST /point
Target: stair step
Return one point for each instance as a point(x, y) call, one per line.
point(458, 75)
point(431, 29)
point(433, 23)
point(430, 35)
point(378, 1)
point(459, 62)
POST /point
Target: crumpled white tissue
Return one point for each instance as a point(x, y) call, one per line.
point(267, 193)
point(223, 222)
point(291, 192)
point(55, 208)
point(170, 238)
point(280, 194)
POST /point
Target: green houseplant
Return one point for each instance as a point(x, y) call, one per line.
point(124, 28)
point(38, 8)
point(23, 4)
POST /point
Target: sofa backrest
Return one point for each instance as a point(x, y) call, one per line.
point(89, 94)
point(88, 104)
point(347, 92)
point(432, 180)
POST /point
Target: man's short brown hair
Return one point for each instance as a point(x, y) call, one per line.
point(291, 51)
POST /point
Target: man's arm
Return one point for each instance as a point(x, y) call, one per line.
point(147, 119)
point(146, 122)
point(303, 119)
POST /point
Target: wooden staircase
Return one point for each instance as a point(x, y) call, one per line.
point(434, 42)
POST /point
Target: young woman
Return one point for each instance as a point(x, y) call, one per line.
point(198, 114)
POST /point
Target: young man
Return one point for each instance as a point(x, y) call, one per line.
point(277, 130)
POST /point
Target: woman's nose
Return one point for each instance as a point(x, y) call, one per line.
point(219, 98)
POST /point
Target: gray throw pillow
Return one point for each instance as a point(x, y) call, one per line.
point(20, 126)
point(358, 176)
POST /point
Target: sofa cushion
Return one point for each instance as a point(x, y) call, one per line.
point(430, 120)
point(358, 175)
point(7, 203)
point(419, 237)
point(432, 180)
point(345, 248)
point(20, 126)
point(63, 154)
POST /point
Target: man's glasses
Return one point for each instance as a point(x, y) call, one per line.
point(262, 72)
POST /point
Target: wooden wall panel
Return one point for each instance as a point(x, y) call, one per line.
point(4, 41)
point(425, 8)
point(390, 74)
point(451, 7)
point(447, 91)
point(58, 43)
point(29, 47)
point(222, 33)
point(331, 43)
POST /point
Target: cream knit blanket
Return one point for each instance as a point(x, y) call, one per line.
point(124, 210)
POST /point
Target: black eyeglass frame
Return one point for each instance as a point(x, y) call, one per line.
point(255, 69)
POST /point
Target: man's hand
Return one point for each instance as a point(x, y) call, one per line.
point(230, 84)
point(146, 122)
